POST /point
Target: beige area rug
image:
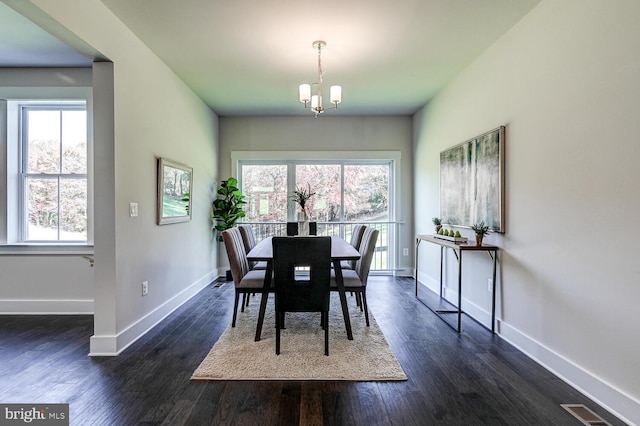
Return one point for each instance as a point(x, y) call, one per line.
point(236, 356)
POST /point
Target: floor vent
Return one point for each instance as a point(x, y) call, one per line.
point(585, 415)
point(219, 284)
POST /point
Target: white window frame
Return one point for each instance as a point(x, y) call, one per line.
point(11, 230)
point(333, 157)
point(25, 175)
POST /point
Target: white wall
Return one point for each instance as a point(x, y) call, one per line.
point(154, 114)
point(326, 133)
point(565, 83)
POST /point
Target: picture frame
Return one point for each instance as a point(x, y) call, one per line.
point(175, 186)
point(472, 182)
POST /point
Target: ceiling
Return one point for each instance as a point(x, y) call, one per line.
point(247, 57)
point(23, 44)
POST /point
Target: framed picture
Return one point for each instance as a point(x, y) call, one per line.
point(175, 183)
point(472, 182)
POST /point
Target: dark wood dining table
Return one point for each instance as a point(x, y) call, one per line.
point(340, 250)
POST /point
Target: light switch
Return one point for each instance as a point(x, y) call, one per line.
point(133, 209)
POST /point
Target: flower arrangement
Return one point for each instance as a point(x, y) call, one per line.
point(301, 196)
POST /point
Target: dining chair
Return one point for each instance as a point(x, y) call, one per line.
point(302, 292)
point(249, 241)
point(292, 228)
point(355, 280)
point(356, 238)
point(245, 280)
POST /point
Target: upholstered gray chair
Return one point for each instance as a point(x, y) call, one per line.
point(249, 240)
point(301, 292)
point(245, 280)
point(355, 280)
point(356, 239)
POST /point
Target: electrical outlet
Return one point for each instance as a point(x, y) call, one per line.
point(405, 251)
point(490, 284)
point(145, 288)
point(133, 209)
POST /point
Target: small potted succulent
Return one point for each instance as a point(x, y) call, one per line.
point(438, 223)
point(480, 230)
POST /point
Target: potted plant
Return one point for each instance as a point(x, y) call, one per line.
point(228, 208)
point(480, 230)
point(438, 223)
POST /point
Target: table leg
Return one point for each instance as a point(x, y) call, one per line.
point(460, 292)
point(441, 253)
point(493, 295)
point(417, 244)
point(337, 268)
point(263, 301)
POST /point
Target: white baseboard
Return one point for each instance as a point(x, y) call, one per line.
point(109, 345)
point(404, 272)
point(624, 406)
point(620, 404)
point(45, 307)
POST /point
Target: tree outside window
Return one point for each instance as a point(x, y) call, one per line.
point(363, 198)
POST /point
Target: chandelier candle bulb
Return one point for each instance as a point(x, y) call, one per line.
point(335, 94)
point(305, 93)
point(316, 102)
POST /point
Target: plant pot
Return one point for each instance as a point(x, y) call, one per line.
point(479, 240)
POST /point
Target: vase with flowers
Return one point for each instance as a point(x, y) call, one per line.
point(301, 196)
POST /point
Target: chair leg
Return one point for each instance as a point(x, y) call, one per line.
point(358, 301)
point(248, 298)
point(235, 309)
point(364, 302)
point(278, 318)
point(325, 316)
point(244, 300)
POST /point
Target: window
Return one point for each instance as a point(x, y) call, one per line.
point(344, 191)
point(350, 190)
point(53, 173)
point(267, 186)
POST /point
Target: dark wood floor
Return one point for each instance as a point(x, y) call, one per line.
point(469, 379)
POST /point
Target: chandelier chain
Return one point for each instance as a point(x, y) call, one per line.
point(320, 70)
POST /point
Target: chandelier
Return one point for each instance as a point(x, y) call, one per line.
point(314, 103)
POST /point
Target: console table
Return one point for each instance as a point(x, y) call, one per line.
point(458, 249)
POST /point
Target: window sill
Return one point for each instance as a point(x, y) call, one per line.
point(45, 249)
